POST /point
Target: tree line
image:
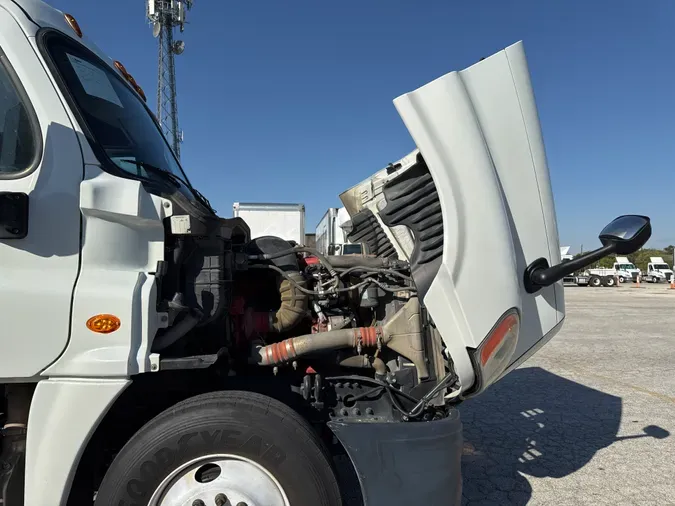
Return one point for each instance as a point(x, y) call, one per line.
point(640, 258)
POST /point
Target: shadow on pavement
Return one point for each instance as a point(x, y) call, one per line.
point(536, 423)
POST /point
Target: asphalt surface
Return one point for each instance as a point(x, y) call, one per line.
point(590, 419)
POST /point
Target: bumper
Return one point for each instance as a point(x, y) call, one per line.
point(406, 463)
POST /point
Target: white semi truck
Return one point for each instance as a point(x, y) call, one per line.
point(331, 239)
point(658, 270)
point(155, 354)
point(625, 269)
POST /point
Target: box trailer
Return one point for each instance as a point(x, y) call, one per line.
point(268, 219)
point(331, 239)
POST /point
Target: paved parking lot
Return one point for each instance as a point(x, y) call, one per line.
point(588, 420)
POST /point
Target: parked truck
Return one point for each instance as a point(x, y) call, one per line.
point(621, 271)
point(156, 354)
point(330, 236)
point(625, 270)
point(658, 270)
point(267, 219)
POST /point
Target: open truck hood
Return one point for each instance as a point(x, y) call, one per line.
point(475, 193)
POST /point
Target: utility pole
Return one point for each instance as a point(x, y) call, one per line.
point(165, 16)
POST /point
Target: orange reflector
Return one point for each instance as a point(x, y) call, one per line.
point(141, 93)
point(120, 67)
point(506, 326)
point(72, 22)
point(130, 79)
point(103, 323)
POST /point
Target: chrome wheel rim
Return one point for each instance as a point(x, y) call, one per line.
point(220, 480)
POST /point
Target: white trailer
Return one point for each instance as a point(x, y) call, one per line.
point(268, 219)
point(331, 238)
point(154, 353)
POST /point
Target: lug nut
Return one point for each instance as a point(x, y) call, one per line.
point(242, 504)
point(198, 502)
point(369, 411)
point(221, 500)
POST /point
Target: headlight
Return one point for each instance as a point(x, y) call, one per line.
point(494, 354)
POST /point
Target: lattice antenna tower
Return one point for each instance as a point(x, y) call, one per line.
point(165, 16)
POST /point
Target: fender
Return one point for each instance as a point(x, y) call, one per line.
point(389, 457)
point(64, 413)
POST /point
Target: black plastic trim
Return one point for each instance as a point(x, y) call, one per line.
point(366, 229)
point(412, 201)
point(406, 463)
point(14, 211)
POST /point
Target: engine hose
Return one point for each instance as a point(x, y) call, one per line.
point(365, 362)
point(174, 333)
point(294, 303)
point(289, 349)
point(297, 249)
point(350, 288)
point(346, 261)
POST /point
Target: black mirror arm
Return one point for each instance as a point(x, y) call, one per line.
point(539, 275)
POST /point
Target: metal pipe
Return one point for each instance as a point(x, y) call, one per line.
point(365, 362)
point(289, 349)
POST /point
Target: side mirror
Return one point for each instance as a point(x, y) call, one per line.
point(626, 234)
point(623, 236)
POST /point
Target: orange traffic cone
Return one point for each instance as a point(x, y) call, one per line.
point(672, 282)
point(637, 282)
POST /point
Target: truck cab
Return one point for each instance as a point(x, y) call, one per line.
point(154, 352)
point(625, 270)
point(658, 270)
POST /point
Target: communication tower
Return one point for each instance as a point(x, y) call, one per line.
point(165, 16)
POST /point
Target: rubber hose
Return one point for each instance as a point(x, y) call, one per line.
point(294, 303)
point(346, 261)
point(174, 333)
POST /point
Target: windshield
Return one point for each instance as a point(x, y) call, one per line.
point(625, 267)
point(116, 116)
point(661, 267)
point(351, 249)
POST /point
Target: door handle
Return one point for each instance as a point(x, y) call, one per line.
point(13, 215)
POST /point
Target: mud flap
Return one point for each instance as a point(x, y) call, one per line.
point(406, 463)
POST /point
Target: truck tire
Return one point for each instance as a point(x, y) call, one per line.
point(595, 281)
point(655, 279)
point(622, 279)
point(608, 281)
point(223, 448)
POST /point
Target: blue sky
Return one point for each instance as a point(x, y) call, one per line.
point(292, 101)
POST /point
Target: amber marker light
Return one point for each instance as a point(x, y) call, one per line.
point(103, 323)
point(72, 22)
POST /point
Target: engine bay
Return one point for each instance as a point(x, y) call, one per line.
point(348, 333)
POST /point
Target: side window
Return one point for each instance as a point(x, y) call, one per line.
point(17, 137)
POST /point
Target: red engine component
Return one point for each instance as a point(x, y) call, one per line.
point(247, 322)
point(309, 260)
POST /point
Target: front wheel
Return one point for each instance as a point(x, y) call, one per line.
point(622, 279)
point(655, 279)
point(223, 448)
